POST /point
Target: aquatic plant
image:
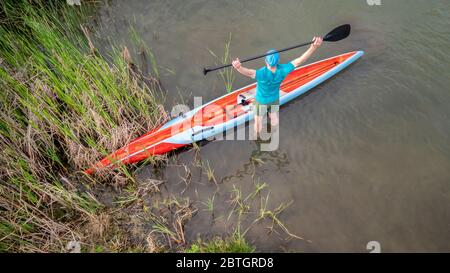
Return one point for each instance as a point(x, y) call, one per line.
point(226, 74)
point(210, 173)
point(232, 244)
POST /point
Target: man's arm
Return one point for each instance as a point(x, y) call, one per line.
point(243, 70)
point(317, 42)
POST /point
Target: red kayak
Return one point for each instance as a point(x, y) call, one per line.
point(222, 114)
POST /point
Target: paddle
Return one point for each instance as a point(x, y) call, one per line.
point(335, 35)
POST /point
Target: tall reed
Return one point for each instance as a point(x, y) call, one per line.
point(63, 106)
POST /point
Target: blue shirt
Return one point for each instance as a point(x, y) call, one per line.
point(268, 83)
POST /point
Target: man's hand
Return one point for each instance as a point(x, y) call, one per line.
point(244, 71)
point(317, 42)
point(236, 64)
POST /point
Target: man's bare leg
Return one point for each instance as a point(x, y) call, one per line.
point(274, 121)
point(258, 125)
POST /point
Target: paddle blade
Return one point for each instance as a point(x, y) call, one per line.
point(338, 33)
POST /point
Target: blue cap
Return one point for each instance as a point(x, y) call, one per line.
point(272, 59)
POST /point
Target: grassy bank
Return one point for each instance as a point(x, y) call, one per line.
point(63, 106)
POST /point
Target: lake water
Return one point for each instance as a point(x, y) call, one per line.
point(364, 157)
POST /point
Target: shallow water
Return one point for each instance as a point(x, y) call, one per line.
point(364, 157)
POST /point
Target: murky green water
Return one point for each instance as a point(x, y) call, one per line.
point(365, 157)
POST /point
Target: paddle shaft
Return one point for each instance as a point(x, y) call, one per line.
point(337, 34)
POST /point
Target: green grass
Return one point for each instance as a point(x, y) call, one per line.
point(209, 204)
point(273, 216)
point(227, 74)
point(233, 244)
point(63, 107)
point(210, 173)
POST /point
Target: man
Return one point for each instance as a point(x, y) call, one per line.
point(269, 79)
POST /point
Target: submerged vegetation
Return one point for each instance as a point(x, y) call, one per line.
point(227, 74)
point(233, 244)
